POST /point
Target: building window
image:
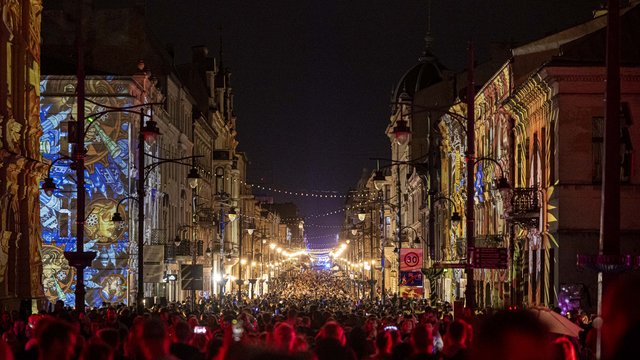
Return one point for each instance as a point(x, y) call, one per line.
point(626, 147)
point(597, 148)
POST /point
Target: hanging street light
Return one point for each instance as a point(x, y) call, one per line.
point(362, 214)
point(402, 132)
point(193, 178)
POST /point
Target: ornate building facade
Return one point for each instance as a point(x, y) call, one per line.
point(20, 162)
point(538, 123)
point(540, 117)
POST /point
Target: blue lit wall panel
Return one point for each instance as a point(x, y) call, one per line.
point(107, 181)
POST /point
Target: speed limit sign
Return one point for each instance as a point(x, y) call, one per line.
point(410, 259)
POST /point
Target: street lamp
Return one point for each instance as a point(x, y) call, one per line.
point(502, 182)
point(402, 132)
point(232, 215)
point(150, 131)
point(251, 228)
point(193, 178)
point(252, 280)
point(362, 214)
point(48, 185)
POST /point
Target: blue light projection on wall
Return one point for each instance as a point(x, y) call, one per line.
point(107, 181)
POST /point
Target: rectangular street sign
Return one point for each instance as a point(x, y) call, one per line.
point(449, 265)
point(410, 278)
point(490, 258)
point(191, 277)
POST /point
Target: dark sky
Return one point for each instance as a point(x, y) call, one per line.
point(312, 78)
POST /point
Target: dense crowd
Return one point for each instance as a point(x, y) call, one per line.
point(310, 316)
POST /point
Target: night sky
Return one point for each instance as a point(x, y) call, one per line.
point(313, 78)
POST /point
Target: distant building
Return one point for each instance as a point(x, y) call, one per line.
point(181, 224)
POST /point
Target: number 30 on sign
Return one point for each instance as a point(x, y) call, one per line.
point(410, 259)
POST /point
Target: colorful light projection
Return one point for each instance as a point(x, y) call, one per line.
point(107, 181)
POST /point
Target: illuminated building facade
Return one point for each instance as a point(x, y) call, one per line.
point(20, 160)
point(110, 141)
point(539, 115)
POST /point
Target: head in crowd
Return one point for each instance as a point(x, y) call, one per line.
point(621, 319)
point(56, 339)
point(512, 335)
point(155, 342)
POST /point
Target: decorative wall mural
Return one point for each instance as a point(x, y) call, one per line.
point(107, 181)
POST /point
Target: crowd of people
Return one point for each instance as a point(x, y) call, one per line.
point(309, 316)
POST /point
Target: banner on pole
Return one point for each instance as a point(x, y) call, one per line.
point(410, 259)
point(413, 292)
point(411, 278)
point(191, 277)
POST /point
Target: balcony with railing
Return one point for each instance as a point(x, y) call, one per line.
point(524, 207)
point(159, 237)
point(490, 241)
point(184, 249)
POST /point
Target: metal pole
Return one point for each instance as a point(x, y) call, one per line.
point(79, 156)
point(609, 242)
point(140, 191)
point(399, 218)
point(253, 256)
point(610, 209)
point(222, 280)
point(371, 279)
point(432, 192)
point(240, 281)
point(194, 238)
point(470, 216)
point(362, 263)
point(382, 234)
point(269, 270)
point(194, 216)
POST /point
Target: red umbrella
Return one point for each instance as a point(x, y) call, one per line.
point(556, 323)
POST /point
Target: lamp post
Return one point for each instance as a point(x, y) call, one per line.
point(379, 181)
point(402, 134)
point(240, 282)
point(252, 280)
point(223, 198)
point(362, 216)
point(80, 259)
point(470, 290)
point(271, 270)
point(262, 278)
point(609, 261)
point(193, 178)
point(148, 132)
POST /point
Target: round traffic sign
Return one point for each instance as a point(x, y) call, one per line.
point(411, 259)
